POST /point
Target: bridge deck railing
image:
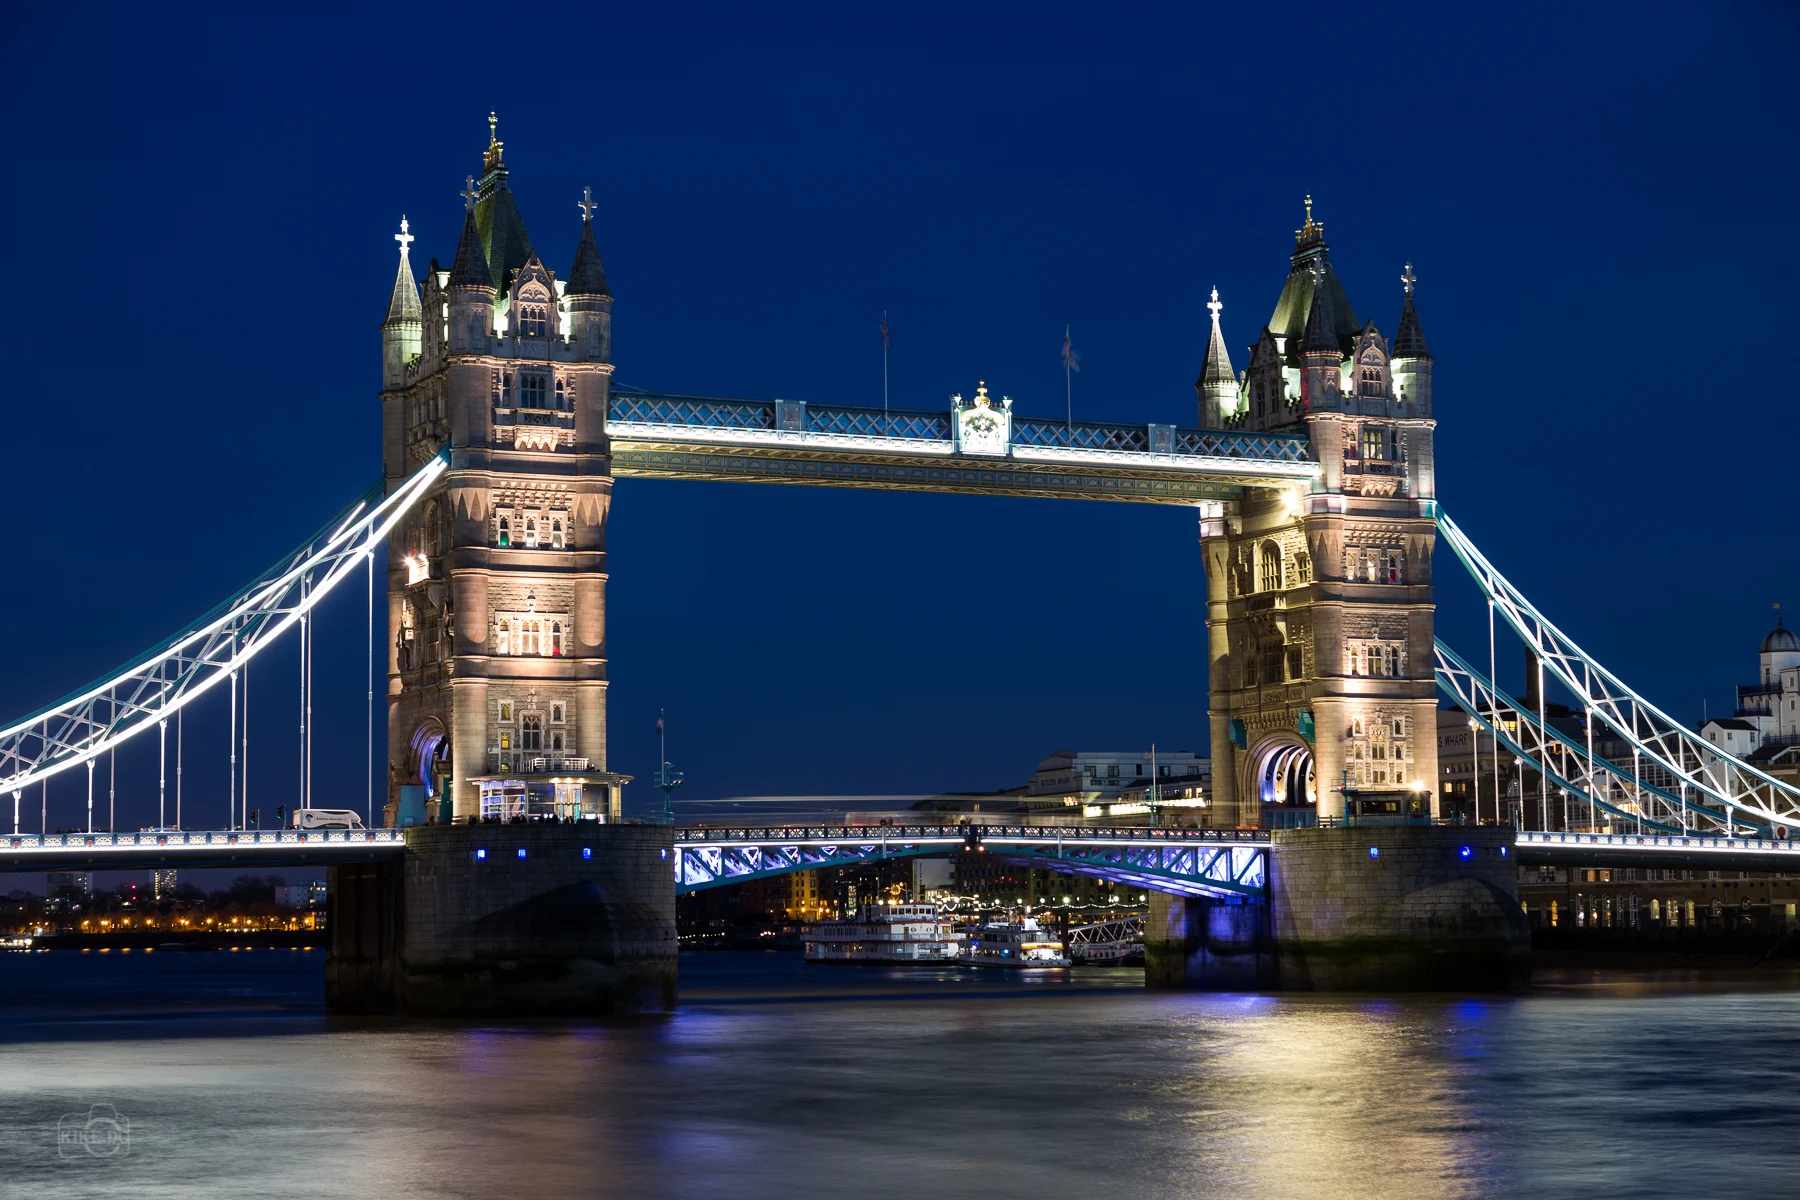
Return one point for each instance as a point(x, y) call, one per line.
point(899, 833)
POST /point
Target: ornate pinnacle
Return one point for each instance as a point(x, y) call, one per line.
point(469, 194)
point(1215, 306)
point(586, 204)
point(1408, 278)
point(403, 237)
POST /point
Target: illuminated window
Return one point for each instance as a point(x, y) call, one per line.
point(1271, 567)
point(505, 740)
point(530, 532)
point(1374, 442)
point(503, 645)
point(506, 531)
point(1393, 566)
point(531, 320)
point(556, 534)
point(556, 646)
point(506, 712)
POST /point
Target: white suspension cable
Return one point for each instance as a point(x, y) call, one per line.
point(231, 751)
point(163, 680)
point(1723, 782)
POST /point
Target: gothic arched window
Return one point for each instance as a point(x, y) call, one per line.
point(556, 534)
point(556, 713)
point(530, 532)
point(531, 733)
point(556, 741)
point(1370, 383)
point(556, 646)
point(503, 645)
point(505, 531)
point(1271, 567)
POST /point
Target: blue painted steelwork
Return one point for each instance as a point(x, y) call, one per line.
point(633, 407)
point(1229, 864)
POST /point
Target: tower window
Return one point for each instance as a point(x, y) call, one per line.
point(531, 389)
point(1374, 443)
point(503, 645)
point(530, 532)
point(531, 320)
point(556, 713)
point(506, 712)
point(531, 733)
point(1393, 567)
point(556, 741)
point(556, 645)
point(1271, 566)
point(1370, 383)
point(506, 531)
point(562, 395)
point(556, 534)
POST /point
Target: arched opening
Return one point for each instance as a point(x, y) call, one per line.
point(1285, 776)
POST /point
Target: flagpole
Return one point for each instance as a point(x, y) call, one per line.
point(886, 427)
point(1069, 381)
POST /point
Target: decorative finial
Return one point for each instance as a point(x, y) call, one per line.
point(586, 204)
point(403, 237)
point(981, 396)
point(1408, 278)
point(1309, 208)
point(1778, 615)
point(1216, 307)
point(1310, 232)
point(469, 194)
point(1318, 271)
point(491, 159)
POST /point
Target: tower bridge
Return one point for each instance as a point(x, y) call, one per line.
point(1313, 480)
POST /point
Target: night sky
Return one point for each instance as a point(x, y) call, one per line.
point(1598, 202)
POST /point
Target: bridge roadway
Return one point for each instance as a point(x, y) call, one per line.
point(1183, 861)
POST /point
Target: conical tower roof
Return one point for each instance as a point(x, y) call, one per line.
point(1216, 367)
point(470, 268)
point(587, 277)
point(503, 237)
point(1409, 338)
point(403, 305)
point(1292, 308)
point(1320, 334)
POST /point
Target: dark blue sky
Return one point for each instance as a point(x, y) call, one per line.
point(1596, 199)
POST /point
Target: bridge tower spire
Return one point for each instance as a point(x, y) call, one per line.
point(496, 588)
point(1319, 608)
point(1218, 384)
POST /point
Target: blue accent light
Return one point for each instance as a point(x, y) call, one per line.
point(588, 852)
point(1503, 852)
point(664, 853)
point(521, 852)
point(1464, 852)
point(1374, 851)
point(480, 854)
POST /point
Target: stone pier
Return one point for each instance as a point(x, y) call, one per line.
point(508, 920)
point(1360, 908)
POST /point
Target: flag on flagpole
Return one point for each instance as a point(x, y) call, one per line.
point(885, 344)
point(1071, 361)
point(659, 723)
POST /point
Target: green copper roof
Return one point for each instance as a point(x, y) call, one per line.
point(503, 236)
point(1292, 309)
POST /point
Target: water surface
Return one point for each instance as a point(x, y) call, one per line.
point(782, 1080)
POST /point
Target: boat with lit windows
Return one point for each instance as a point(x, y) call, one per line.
point(1021, 943)
point(884, 933)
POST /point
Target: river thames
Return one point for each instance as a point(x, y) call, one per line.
point(777, 1079)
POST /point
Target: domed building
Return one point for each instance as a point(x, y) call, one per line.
point(1766, 726)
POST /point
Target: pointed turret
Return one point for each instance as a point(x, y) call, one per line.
point(469, 268)
point(402, 327)
point(1411, 358)
point(1217, 385)
point(1320, 355)
point(503, 236)
point(587, 277)
point(587, 297)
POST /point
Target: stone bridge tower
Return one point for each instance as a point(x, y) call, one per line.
point(1319, 601)
point(496, 581)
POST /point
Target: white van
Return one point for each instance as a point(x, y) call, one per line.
point(326, 818)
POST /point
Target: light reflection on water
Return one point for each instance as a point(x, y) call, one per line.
point(776, 1079)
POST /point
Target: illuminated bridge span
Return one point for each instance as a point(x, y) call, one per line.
point(980, 447)
point(194, 848)
point(1223, 864)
